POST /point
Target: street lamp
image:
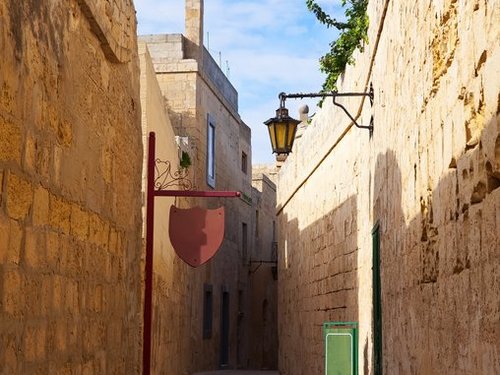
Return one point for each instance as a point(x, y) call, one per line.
point(282, 128)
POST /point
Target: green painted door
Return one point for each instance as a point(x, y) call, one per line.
point(340, 348)
point(377, 303)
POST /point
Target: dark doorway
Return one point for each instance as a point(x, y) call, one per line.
point(239, 331)
point(224, 330)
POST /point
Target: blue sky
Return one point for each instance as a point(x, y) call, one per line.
point(265, 47)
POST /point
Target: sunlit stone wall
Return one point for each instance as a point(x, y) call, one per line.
point(429, 175)
point(70, 183)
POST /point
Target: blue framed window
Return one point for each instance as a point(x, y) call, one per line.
point(210, 151)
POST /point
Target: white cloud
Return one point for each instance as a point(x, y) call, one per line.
point(269, 45)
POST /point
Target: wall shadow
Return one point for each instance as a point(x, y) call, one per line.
point(440, 267)
point(318, 283)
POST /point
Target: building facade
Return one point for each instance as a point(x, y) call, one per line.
point(398, 230)
point(211, 330)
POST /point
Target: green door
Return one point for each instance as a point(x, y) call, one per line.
point(377, 303)
point(341, 350)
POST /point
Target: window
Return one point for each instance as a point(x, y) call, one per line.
point(224, 329)
point(244, 161)
point(207, 311)
point(211, 151)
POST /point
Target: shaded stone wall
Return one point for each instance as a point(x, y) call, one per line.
point(429, 175)
point(70, 166)
point(171, 304)
point(263, 318)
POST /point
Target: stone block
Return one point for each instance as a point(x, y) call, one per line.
point(10, 142)
point(43, 163)
point(113, 240)
point(19, 196)
point(59, 213)
point(95, 225)
point(12, 299)
point(79, 222)
point(58, 294)
point(11, 234)
point(9, 353)
point(34, 342)
point(40, 215)
point(53, 252)
point(46, 296)
point(30, 152)
point(60, 335)
point(71, 302)
point(34, 249)
point(4, 238)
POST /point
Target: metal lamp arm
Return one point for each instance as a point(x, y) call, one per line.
point(334, 94)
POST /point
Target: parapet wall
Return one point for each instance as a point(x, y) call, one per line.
point(429, 175)
point(168, 53)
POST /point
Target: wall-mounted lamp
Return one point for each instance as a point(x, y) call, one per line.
point(282, 128)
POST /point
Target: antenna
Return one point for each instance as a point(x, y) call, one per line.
point(220, 59)
point(208, 41)
point(228, 70)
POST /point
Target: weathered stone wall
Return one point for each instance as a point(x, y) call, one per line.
point(70, 207)
point(263, 285)
point(429, 175)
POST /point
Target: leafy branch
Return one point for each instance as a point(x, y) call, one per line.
point(353, 35)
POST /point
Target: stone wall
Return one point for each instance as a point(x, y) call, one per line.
point(263, 318)
point(70, 166)
point(429, 175)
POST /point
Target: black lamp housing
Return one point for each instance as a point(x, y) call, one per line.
point(282, 129)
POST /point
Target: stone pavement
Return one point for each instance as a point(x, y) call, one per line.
point(238, 372)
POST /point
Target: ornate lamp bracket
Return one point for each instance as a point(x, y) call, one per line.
point(335, 94)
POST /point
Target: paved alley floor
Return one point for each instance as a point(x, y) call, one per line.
point(238, 372)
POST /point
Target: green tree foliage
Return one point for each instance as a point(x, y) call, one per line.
point(353, 35)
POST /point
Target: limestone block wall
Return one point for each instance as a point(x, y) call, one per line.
point(70, 204)
point(214, 75)
point(429, 175)
point(263, 318)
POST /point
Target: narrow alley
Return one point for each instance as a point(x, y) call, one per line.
point(139, 234)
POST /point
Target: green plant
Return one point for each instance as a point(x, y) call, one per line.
point(185, 161)
point(353, 35)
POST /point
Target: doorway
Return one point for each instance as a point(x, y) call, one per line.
point(224, 330)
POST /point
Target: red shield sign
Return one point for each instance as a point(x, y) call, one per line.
point(196, 233)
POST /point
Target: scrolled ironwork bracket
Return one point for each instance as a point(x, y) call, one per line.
point(166, 178)
point(334, 94)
